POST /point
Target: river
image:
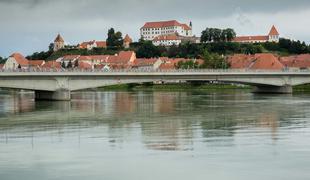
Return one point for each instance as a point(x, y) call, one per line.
point(151, 135)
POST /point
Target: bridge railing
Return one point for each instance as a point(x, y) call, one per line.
point(147, 70)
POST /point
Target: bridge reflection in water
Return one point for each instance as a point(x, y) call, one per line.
point(161, 120)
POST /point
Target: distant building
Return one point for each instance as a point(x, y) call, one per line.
point(150, 30)
point(127, 41)
point(59, 43)
point(16, 61)
point(167, 40)
point(89, 45)
point(273, 36)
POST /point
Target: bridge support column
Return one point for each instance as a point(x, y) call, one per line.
point(274, 89)
point(59, 95)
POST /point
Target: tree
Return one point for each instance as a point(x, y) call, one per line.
point(228, 35)
point(69, 65)
point(147, 50)
point(187, 65)
point(76, 63)
point(115, 39)
point(51, 47)
point(217, 35)
point(2, 60)
point(214, 61)
point(63, 65)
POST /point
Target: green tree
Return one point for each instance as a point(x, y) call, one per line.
point(69, 65)
point(228, 35)
point(63, 65)
point(2, 60)
point(115, 39)
point(214, 61)
point(187, 65)
point(147, 50)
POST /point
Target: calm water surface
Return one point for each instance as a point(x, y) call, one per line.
point(155, 136)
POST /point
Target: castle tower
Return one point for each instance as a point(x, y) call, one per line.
point(127, 41)
point(274, 35)
point(59, 43)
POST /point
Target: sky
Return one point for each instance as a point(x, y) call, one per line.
point(28, 26)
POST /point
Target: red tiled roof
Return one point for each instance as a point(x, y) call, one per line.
point(144, 62)
point(166, 37)
point(273, 31)
point(161, 24)
point(298, 61)
point(257, 61)
point(70, 57)
point(250, 38)
point(59, 39)
point(52, 64)
point(186, 27)
point(83, 65)
point(36, 62)
point(20, 59)
point(101, 58)
point(266, 61)
point(101, 44)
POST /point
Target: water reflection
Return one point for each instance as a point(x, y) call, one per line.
point(166, 120)
point(178, 135)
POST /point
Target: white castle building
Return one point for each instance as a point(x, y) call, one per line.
point(151, 30)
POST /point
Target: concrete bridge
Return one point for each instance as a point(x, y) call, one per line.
point(58, 85)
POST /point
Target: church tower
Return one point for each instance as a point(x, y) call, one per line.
point(59, 43)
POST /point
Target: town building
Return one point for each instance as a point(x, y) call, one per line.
point(89, 45)
point(16, 61)
point(150, 30)
point(127, 41)
point(167, 40)
point(296, 62)
point(59, 43)
point(273, 36)
point(263, 61)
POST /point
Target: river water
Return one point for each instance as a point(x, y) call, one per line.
point(149, 135)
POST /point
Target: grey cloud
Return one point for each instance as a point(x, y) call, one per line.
point(82, 19)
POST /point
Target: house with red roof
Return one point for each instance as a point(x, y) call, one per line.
point(16, 61)
point(36, 64)
point(167, 40)
point(89, 45)
point(262, 61)
point(297, 62)
point(150, 30)
point(272, 36)
point(51, 65)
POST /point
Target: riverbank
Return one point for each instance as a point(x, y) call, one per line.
point(175, 87)
point(188, 86)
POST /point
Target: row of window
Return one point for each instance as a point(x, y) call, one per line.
point(163, 32)
point(157, 29)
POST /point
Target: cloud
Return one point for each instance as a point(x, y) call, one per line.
point(89, 19)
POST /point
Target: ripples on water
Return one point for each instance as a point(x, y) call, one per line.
point(155, 135)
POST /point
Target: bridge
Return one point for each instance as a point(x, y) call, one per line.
point(57, 85)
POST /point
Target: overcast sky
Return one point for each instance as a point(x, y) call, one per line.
point(30, 25)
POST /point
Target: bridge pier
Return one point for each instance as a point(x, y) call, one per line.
point(274, 89)
point(59, 95)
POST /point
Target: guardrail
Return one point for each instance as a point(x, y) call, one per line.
point(151, 70)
